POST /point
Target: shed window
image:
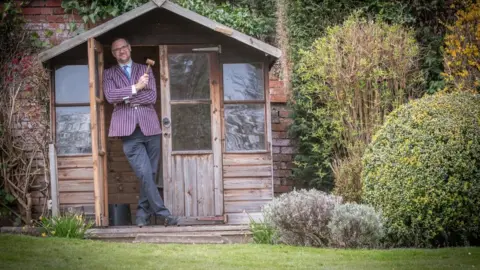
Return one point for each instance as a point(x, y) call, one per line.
point(72, 110)
point(244, 99)
point(190, 102)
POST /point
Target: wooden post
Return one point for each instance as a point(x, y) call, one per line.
point(97, 158)
point(268, 119)
point(168, 183)
point(217, 114)
point(53, 179)
point(100, 99)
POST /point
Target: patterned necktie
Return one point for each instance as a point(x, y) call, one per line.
point(126, 72)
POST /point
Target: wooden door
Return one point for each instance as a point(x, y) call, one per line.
point(191, 139)
point(97, 120)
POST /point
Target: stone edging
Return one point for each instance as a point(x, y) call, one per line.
point(33, 231)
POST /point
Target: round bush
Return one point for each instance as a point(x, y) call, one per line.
point(355, 225)
point(301, 217)
point(422, 170)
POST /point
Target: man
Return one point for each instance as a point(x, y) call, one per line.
point(133, 94)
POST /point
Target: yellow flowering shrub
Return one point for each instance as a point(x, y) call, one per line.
point(462, 50)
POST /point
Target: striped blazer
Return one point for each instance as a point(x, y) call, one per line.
point(129, 107)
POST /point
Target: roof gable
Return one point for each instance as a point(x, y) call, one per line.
point(174, 8)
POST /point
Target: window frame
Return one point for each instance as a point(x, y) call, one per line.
point(263, 102)
point(195, 101)
point(55, 104)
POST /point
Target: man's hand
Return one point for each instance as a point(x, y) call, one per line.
point(142, 82)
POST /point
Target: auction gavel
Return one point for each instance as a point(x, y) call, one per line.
point(149, 62)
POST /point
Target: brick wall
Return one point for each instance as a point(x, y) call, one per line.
point(284, 147)
point(49, 20)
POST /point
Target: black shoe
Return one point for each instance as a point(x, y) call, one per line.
point(171, 220)
point(141, 222)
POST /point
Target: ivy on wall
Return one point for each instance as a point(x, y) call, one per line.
point(239, 17)
point(253, 18)
point(95, 10)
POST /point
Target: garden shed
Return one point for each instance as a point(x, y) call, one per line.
point(213, 105)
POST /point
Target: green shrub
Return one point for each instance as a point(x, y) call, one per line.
point(347, 173)
point(308, 20)
point(351, 78)
point(68, 225)
point(6, 201)
point(355, 225)
point(301, 217)
point(262, 232)
point(422, 170)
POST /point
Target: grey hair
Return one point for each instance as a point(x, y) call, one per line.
point(118, 38)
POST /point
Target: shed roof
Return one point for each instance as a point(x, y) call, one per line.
point(168, 5)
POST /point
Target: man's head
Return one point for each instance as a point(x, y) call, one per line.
point(121, 50)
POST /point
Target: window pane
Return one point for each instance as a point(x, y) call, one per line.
point(71, 84)
point(243, 82)
point(191, 127)
point(245, 127)
point(189, 76)
point(73, 130)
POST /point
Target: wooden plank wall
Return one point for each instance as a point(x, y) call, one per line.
point(193, 178)
point(247, 184)
point(75, 183)
point(247, 178)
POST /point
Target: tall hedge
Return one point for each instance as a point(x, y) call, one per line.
point(351, 78)
point(422, 170)
point(307, 20)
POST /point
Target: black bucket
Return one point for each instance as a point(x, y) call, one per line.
point(119, 214)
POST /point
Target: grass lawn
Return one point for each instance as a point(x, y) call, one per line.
point(26, 252)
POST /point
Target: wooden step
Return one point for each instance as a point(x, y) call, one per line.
point(180, 239)
point(163, 229)
point(135, 234)
point(193, 238)
point(161, 234)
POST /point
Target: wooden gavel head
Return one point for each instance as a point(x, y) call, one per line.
point(149, 63)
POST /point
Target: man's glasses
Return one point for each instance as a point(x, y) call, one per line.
point(119, 49)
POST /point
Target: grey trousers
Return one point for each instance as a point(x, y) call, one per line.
point(143, 153)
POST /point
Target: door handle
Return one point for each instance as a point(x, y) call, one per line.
point(166, 122)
